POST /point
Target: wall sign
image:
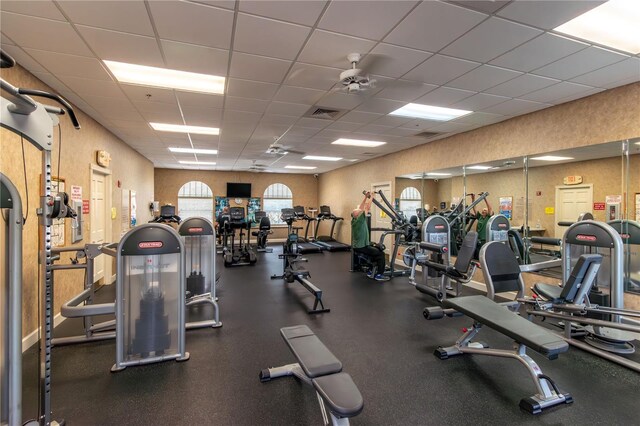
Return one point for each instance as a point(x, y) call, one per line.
point(76, 193)
point(549, 210)
point(613, 199)
point(572, 180)
point(506, 207)
point(598, 206)
point(85, 206)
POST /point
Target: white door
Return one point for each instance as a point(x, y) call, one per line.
point(378, 218)
point(571, 201)
point(97, 210)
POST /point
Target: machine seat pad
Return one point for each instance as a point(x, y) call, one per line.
point(340, 393)
point(548, 291)
point(491, 314)
point(313, 356)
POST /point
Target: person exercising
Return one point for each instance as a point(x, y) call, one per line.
point(360, 239)
point(483, 217)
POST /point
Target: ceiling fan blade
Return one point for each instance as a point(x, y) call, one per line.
point(293, 151)
point(373, 61)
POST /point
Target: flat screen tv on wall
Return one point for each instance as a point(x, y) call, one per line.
point(238, 190)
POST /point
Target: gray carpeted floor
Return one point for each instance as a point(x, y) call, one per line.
point(375, 329)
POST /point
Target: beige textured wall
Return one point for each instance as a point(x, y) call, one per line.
point(78, 152)
point(603, 117)
point(304, 187)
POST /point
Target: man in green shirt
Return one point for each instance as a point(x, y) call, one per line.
point(360, 239)
point(483, 218)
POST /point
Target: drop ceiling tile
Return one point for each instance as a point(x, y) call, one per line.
point(267, 37)
point(286, 108)
point(374, 129)
point(433, 25)
point(380, 106)
point(87, 87)
point(450, 127)
point(141, 93)
point(127, 16)
point(122, 47)
point(578, 95)
point(227, 4)
point(202, 25)
point(404, 90)
point(198, 116)
point(344, 126)
point(313, 123)
point(52, 36)
point(486, 6)
point(444, 96)
point(158, 112)
point(313, 76)
point(482, 78)
point(193, 58)
point(278, 119)
point(482, 118)
point(419, 125)
point(479, 101)
point(392, 121)
point(581, 62)
point(520, 85)
point(373, 20)
point(42, 9)
point(299, 131)
point(113, 109)
point(491, 38)
point(22, 57)
point(556, 92)
point(51, 81)
point(244, 104)
point(392, 61)
point(242, 116)
point(341, 101)
point(258, 68)
point(330, 134)
point(301, 12)
point(440, 69)
point(607, 77)
point(298, 95)
point(331, 49)
point(70, 65)
point(199, 100)
point(546, 14)
point(251, 89)
point(538, 52)
point(360, 117)
point(515, 107)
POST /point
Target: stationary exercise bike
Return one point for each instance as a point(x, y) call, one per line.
point(264, 230)
point(291, 258)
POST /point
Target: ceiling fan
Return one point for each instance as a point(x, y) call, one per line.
point(355, 80)
point(257, 168)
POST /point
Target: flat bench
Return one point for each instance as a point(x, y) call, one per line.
point(524, 333)
point(318, 367)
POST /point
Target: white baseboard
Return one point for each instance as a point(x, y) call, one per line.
point(32, 338)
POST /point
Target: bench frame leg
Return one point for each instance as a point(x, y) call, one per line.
point(547, 396)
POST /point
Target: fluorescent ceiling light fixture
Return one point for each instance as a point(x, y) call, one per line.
point(479, 167)
point(357, 142)
point(193, 151)
point(353, 160)
point(551, 158)
point(198, 163)
point(180, 128)
point(300, 167)
point(166, 78)
point(321, 158)
point(438, 174)
point(429, 112)
point(613, 24)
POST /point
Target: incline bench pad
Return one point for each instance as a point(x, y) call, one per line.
point(313, 356)
point(340, 393)
point(493, 315)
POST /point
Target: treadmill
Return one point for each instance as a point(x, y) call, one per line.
point(328, 242)
point(304, 245)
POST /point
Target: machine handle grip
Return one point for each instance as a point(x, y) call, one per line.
point(67, 106)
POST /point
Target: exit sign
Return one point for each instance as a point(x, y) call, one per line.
point(572, 180)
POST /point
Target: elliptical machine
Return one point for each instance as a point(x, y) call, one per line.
point(240, 254)
point(167, 216)
point(264, 230)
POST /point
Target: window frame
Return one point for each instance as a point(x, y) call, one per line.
point(283, 194)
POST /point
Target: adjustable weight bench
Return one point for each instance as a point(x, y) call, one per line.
point(319, 368)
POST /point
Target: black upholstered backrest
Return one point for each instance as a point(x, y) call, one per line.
point(516, 243)
point(466, 252)
point(578, 275)
point(500, 268)
point(265, 223)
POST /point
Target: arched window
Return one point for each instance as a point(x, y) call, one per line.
point(195, 199)
point(277, 196)
point(410, 200)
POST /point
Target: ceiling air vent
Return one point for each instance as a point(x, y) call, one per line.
point(428, 135)
point(324, 113)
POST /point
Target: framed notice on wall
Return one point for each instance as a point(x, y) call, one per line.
point(125, 221)
point(506, 207)
point(637, 204)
